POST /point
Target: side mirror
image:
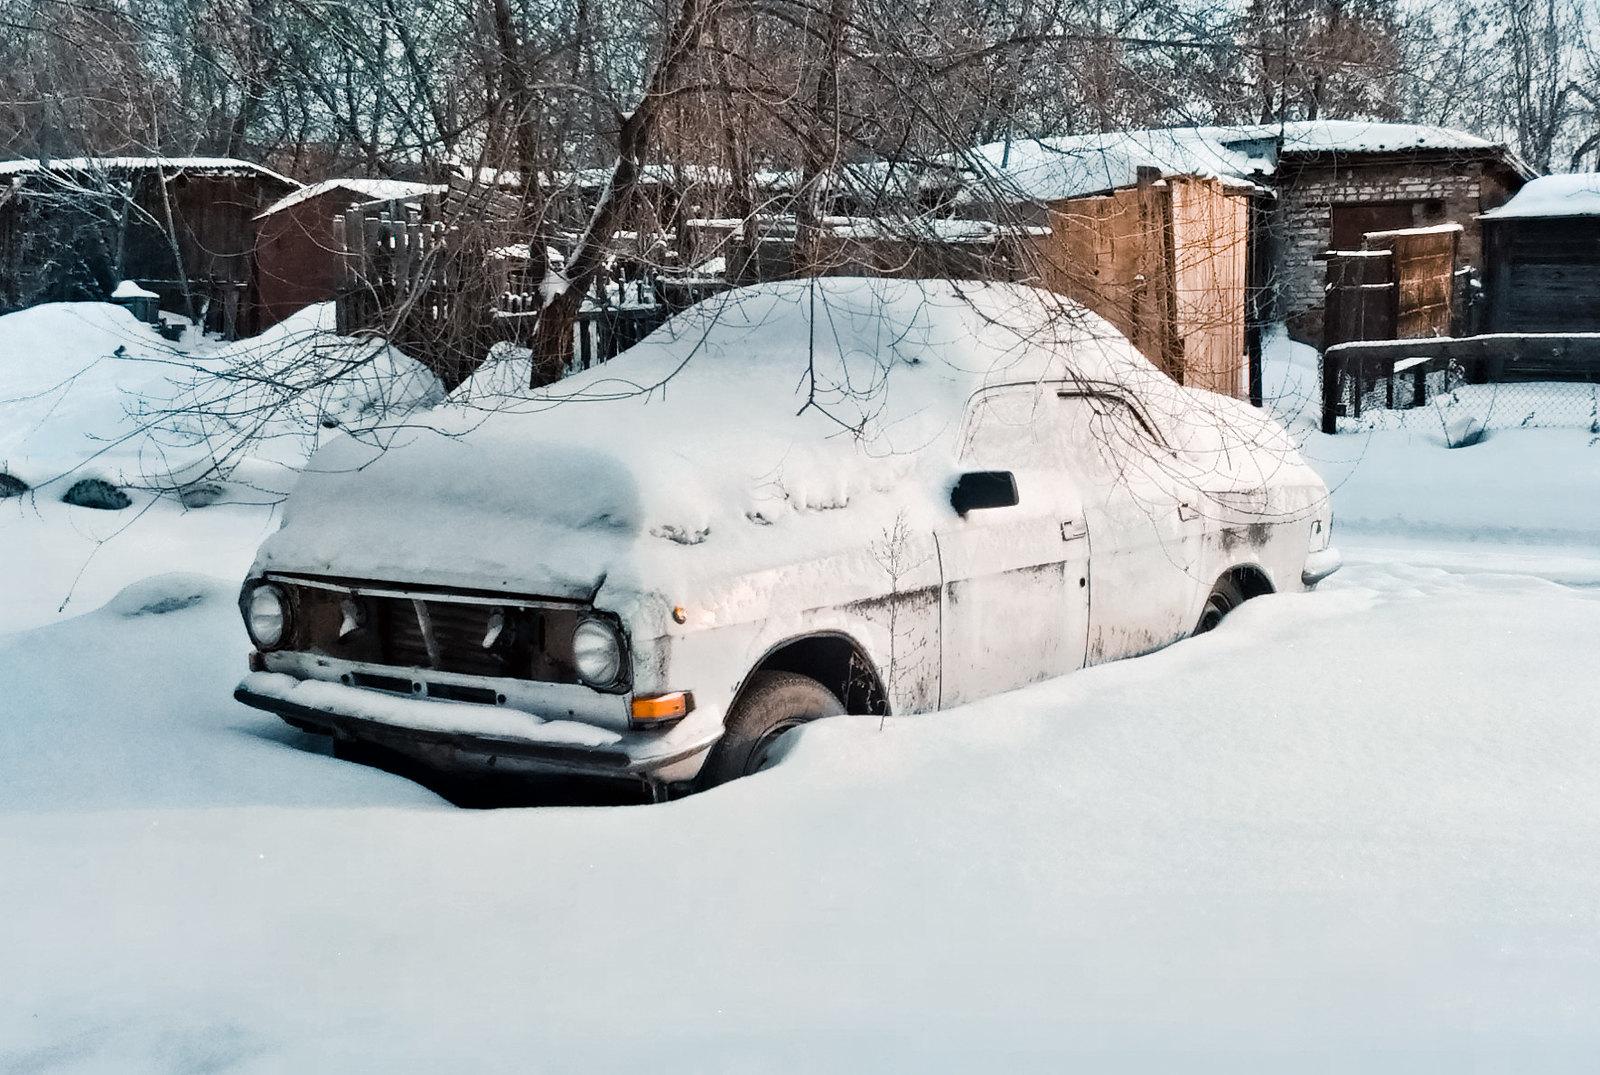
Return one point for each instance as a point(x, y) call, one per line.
point(984, 489)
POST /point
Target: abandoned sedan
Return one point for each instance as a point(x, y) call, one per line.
point(792, 501)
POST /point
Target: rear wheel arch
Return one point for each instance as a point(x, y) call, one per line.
point(1233, 588)
point(1251, 580)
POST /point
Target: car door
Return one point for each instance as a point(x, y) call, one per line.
point(1145, 533)
point(1014, 587)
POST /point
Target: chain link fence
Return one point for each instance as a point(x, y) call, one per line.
point(1457, 388)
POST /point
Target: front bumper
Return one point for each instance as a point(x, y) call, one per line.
point(1319, 565)
point(420, 729)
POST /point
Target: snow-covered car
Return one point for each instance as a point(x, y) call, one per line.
point(793, 501)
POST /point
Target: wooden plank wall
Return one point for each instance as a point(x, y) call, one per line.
point(1542, 275)
point(1109, 253)
point(1165, 263)
point(1361, 296)
point(1210, 231)
point(1424, 268)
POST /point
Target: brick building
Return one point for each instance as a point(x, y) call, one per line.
point(1336, 181)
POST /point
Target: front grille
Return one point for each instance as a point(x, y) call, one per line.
point(476, 638)
point(458, 632)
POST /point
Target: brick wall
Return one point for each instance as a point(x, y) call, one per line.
point(1445, 190)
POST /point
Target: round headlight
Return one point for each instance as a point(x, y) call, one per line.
point(597, 652)
point(266, 616)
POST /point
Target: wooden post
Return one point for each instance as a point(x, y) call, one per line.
point(1331, 362)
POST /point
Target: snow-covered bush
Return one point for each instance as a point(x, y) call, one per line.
point(87, 385)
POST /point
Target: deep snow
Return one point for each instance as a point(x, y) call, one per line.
point(87, 390)
point(1351, 830)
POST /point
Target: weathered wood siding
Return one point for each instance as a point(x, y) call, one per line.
point(1210, 231)
point(1542, 275)
point(1361, 296)
point(1165, 263)
point(1424, 267)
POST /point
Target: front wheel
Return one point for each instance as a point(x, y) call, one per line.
point(1225, 597)
point(772, 703)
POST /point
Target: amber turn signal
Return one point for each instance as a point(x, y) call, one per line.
point(658, 708)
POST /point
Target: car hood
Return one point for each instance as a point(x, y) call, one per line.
point(475, 501)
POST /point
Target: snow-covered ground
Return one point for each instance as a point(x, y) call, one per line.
point(88, 391)
point(1351, 830)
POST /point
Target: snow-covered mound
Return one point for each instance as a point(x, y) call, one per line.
point(88, 390)
point(769, 425)
point(1482, 464)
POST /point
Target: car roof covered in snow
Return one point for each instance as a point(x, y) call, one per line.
point(1577, 194)
point(870, 355)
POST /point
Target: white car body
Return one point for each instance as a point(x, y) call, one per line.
point(766, 483)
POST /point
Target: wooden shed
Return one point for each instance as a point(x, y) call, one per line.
point(1166, 262)
point(181, 227)
point(1542, 257)
point(1152, 230)
point(299, 255)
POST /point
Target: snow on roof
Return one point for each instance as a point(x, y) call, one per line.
point(1051, 169)
point(129, 289)
point(375, 190)
point(925, 229)
point(1577, 194)
point(589, 179)
point(1358, 136)
point(92, 165)
point(772, 425)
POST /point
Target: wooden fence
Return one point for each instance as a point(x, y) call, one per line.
point(598, 334)
point(446, 294)
point(1400, 286)
point(1401, 368)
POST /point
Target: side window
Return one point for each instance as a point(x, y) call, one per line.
point(1010, 427)
point(1105, 435)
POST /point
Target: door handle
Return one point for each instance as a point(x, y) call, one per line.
point(1071, 530)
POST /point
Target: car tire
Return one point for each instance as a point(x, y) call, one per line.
point(1224, 598)
point(771, 704)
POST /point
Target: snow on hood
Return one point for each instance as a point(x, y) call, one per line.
point(769, 425)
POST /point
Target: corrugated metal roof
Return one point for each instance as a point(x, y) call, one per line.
point(108, 165)
point(377, 190)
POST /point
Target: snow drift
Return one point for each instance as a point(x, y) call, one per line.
point(87, 390)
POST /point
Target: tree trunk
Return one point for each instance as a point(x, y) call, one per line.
point(563, 292)
point(822, 146)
